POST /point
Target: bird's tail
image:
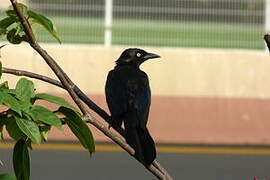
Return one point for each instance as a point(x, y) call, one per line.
point(143, 144)
point(147, 145)
point(132, 138)
point(139, 139)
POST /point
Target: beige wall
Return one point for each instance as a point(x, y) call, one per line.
point(180, 72)
point(199, 95)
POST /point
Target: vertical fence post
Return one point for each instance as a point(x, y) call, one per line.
point(108, 22)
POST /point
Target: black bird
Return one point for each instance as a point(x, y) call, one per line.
point(128, 96)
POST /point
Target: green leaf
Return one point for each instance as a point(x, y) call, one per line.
point(2, 32)
point(53, 99)
point(9, 91)
point(1, 132)
point(40, 113)
point(6, 22)
point(25, 107)
point(10, 11)
point(21, 160)
point(45, 131)
point(7, 177)
point(79, 128)
point(2, 123)
point(29, 128)
point(20, 30)
point(4, 85)
point(13, 129)
point(0, 69)
point(25, 90)
point(10, 102)
point(45, 22)
point(13, 37)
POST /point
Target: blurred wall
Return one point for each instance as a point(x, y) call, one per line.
point(199, 95)
point(5, 4)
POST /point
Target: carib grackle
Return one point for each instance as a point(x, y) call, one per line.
point(128, 96)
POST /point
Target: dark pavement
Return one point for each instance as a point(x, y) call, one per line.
point(113, 165)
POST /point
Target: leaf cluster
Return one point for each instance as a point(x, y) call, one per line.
point(29, 123)
point(12, 29)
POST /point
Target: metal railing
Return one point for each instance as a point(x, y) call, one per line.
point(173, 23)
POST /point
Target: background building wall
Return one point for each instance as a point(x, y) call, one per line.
point(199, 95)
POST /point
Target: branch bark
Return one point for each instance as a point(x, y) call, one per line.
point(70, 86)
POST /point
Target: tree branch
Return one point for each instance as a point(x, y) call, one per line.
point(69, 86)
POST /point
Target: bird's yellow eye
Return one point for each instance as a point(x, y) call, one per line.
point(138, 54)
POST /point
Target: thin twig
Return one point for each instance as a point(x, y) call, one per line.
point(68, 85)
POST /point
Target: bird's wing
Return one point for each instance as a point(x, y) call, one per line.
point(139, 97)
point(115, 94)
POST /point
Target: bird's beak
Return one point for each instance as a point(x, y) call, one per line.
point(151, 56)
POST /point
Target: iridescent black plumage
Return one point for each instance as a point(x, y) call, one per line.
point(128, 96)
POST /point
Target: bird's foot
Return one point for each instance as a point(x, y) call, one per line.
point(114, 125)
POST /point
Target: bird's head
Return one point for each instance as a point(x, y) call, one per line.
point(135, 57)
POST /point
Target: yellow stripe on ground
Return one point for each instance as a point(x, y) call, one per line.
point(78, 147)
point(162, 149)
point(215, 150)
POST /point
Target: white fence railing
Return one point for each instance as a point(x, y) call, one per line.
point(176, 23)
